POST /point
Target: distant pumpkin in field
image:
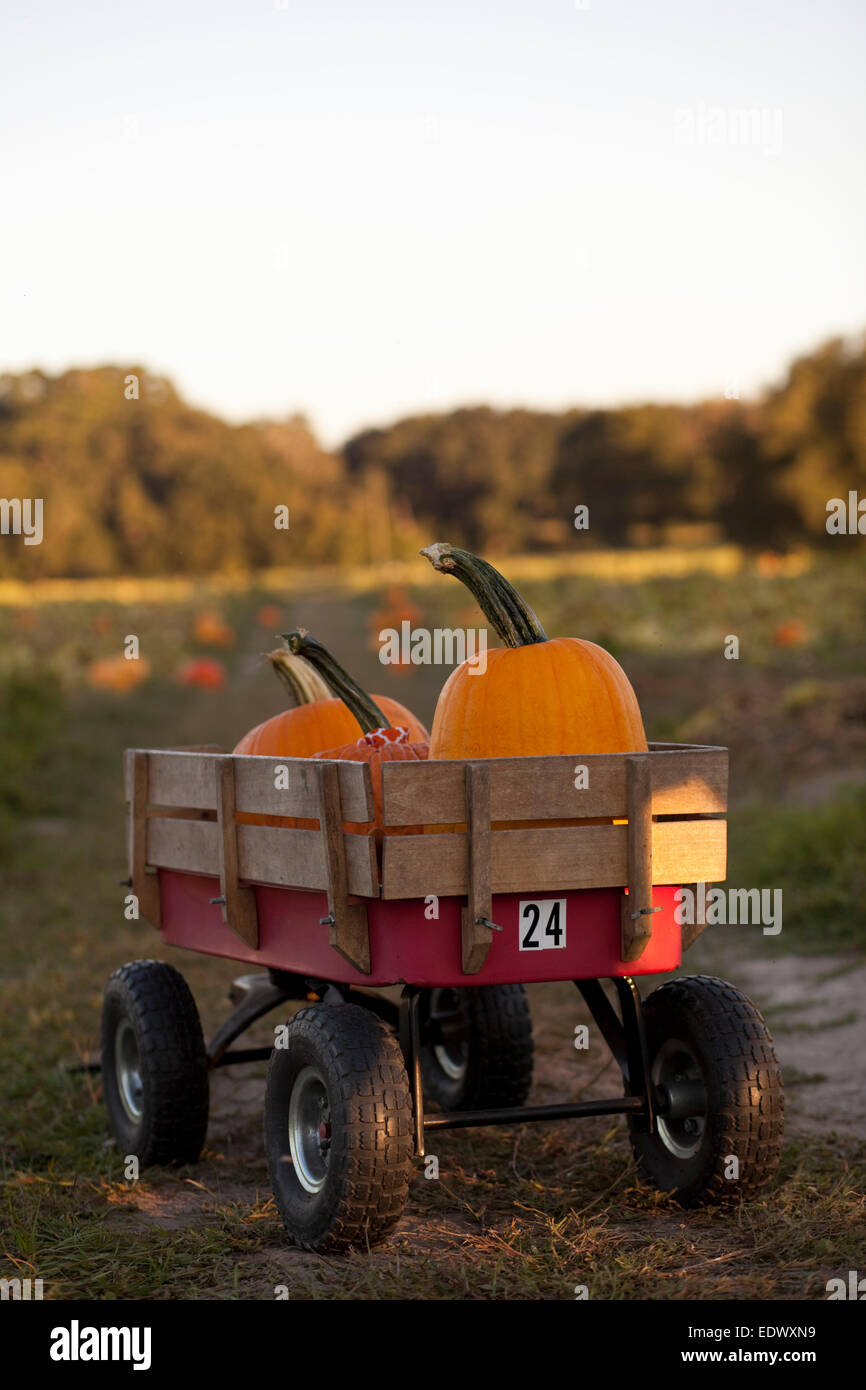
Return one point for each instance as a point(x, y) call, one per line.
point(204, 672)
point(791, 633)
point(397, 609)
point(769, 564)
point(269, 616)
point(118, 673)
point(211, 631)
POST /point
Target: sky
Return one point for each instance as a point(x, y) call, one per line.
point(358, 212)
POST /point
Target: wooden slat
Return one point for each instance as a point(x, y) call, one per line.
point(238, 903)
point(476, 934)
point(266, 854)
point(347, 922)
point(256, 790)
point(690, 851)
point(679, 747)
point(296, 859)
point(636, 906)
point(685, 782)
point(184, 779)
point(187, 779)
point(190, 845)
point(555, 857)
point(194, 748)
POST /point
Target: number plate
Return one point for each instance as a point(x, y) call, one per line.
point(541, 924)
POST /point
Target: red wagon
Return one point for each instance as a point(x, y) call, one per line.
point(413, 960)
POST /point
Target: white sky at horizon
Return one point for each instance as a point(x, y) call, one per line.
point(362, 213)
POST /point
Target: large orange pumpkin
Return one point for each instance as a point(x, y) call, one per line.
point(538, 695)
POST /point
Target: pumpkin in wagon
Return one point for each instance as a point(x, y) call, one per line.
point(319, 716)
point(538, 695)
point(380, 741)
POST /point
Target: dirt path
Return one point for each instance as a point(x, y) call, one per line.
point(815, 1007)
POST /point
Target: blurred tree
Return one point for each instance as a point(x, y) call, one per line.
point(814, 431)
point(152, 486)
point(149, 485)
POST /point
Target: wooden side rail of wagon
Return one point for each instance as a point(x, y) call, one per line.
point(672, 799)
point(184, 815)
point(508, 825)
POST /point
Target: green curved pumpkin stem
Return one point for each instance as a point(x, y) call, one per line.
point(339, 682)
point(301, 679)
point(509, 614)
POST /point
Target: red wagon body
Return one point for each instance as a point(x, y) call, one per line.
point(406, 946)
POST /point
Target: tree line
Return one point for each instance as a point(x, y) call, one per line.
point(136, 481)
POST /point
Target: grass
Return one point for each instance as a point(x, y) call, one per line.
point(529, 1215)
point(817, 856)
point(516, 1214)
point(621, 566)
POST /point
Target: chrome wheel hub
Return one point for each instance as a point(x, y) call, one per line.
point(127, 1066)
point(446, 1017)
point(681, 1098)
point(310, 1129)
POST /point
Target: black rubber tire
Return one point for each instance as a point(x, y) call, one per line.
point(366, 1181)
point(155, 1001)
point(732, 1047)
point(496, 1033)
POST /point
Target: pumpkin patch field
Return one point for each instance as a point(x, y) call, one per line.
point(505, 1213)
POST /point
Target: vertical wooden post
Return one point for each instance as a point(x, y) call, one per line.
point(476, 934)
point(145, 885)
point(238, 904)
point(349, 929)
point(637, 905)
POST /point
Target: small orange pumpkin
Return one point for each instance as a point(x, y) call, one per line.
point(791, 633)
point(378, 746)
point(380, 742)
point(211, 631)
point(203, 671)
point(318, 719)
point(397, 608)
point(118, 673)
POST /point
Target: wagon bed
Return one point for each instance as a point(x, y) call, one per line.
point(430, 909)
